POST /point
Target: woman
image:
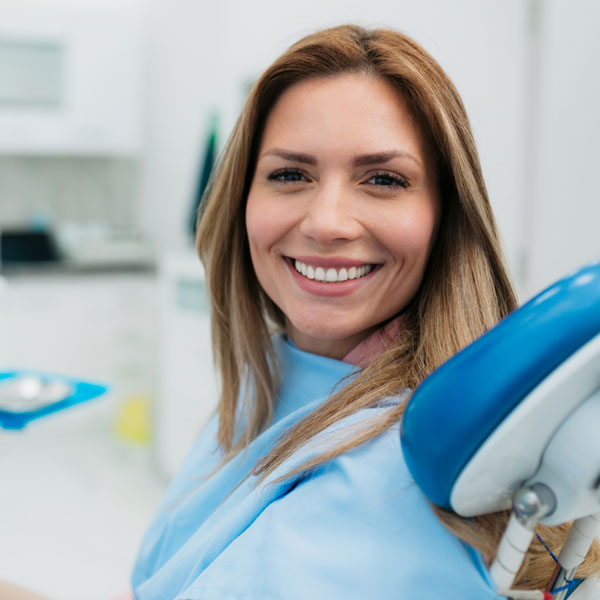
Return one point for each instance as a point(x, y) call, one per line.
point(349, 213)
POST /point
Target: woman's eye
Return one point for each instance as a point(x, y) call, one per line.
point(287, 176)
point(387, 180)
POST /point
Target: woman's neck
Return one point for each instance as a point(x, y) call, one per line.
point(360, 349)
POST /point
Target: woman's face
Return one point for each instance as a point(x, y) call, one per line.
point(342, 210)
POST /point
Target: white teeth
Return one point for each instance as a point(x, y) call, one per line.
point(320, 274)
point(331, 275)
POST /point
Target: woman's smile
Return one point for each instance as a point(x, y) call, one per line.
point(330, 277)
point(328, 273)
point(342, 210)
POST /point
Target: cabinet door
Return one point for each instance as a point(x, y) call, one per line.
point(88, 101)
point(101, 328)
point(187, 391)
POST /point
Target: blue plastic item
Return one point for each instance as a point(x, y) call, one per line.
point(460, 404)
point(76, 392)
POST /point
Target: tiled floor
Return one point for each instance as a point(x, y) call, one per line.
point(74, 502)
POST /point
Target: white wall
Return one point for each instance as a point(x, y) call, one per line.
point(182, 68)
point(564, 215)
point(202, 55)
point(100, 100)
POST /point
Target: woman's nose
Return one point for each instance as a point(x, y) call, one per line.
point(330, 215)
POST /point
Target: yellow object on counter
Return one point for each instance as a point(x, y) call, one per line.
point(133, 419)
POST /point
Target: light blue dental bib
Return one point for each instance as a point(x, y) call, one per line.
point(355, 528)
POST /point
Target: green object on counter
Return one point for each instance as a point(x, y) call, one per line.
point(208, 163)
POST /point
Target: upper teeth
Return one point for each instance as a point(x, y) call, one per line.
point(331, 275)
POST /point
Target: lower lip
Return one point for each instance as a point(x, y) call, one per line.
point(331, 290)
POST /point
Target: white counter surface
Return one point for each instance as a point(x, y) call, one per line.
point(74, 502)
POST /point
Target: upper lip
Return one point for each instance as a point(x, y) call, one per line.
point(331, 262)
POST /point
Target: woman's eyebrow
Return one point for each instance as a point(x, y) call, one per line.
point(359, 160)
point(362, 160)
point(300, 157)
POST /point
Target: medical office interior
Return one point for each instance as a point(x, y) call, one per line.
point(111, 114)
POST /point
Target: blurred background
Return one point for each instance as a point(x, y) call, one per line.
point(111, 112)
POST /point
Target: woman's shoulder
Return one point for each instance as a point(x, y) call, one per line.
point(372, 472)
point(354, 527)
point(384, 447)
point(201, 460)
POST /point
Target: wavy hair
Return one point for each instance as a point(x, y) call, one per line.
point(465, 289)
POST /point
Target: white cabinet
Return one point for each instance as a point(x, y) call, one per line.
point(78, 499)
point(100, 327)
point(71, 76)
point(145, 336)
point(187, 392)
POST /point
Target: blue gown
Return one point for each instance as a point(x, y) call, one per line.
point(355, 528)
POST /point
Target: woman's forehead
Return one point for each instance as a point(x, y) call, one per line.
point(343, 116)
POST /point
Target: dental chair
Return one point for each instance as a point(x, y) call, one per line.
point(513, 420)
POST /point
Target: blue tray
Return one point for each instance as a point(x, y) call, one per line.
point(80, 391)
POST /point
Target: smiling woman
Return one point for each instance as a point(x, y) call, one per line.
point(350, 249)
point(343, 209)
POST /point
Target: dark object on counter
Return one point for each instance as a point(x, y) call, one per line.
point(18, 246)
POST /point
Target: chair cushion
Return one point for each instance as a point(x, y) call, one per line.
point(460, 404)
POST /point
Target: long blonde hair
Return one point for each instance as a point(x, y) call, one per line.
point(465, 290)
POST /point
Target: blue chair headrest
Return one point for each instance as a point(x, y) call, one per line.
point(460, 404)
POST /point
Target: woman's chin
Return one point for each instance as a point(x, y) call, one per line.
point(334, 342)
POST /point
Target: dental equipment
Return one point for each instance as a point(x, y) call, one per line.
point(514, 419)
point(29, 395)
